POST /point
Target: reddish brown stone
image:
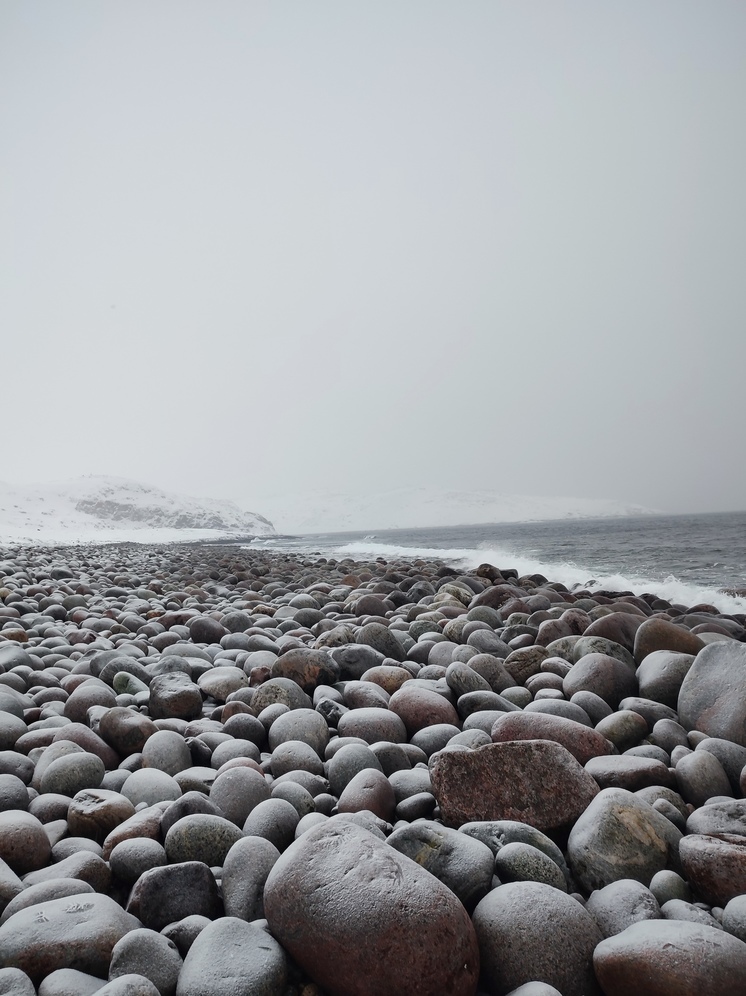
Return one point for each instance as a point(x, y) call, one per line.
point(620, 627)
point(532, 781)
point(629, 772)
point(420, 707)
point(388, 677)
point(94, 813)
point(497, 595)
point(364, 920)
point(91, 742)
point(521, 664)
point(671, 958)
point(582, 742)
point(603, 675)
point(308, 668)
point(369, 789)
point(660, 634)
point(715, 866)
point(125, 730)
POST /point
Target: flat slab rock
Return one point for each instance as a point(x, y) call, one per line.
point(537, 782)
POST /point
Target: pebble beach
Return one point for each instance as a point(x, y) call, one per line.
point(241, 772)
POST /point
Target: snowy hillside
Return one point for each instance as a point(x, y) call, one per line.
point(113, 509)
point(406, 508)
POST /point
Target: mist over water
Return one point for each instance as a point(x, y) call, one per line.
point(685, 558)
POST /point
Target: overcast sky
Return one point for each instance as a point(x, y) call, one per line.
point(248, 247)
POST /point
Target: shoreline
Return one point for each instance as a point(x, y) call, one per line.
point(199, 731)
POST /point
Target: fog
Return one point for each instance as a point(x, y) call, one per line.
point(252, 247)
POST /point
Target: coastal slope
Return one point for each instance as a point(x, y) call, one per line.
point(115, 509)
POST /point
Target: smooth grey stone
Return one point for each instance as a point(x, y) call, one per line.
point(149, 785)
point(593, 705)
point(486, 719)
point(461, 679)
point(559, 707)
point(130, 858)
point(461, 862)
point(69, 982)
point(585, 645)
point(661, 673)
point(14, 982)
point(624, 729)
point(230, 749)
point(667, 884)
point(604, 843)
point(13, 763)
point(667, 809)
point(61, 933)
point(295, 755)
point(652, 712)
point(245, 870)
point(699, 776)
point(668, 735)
point(518, 862)
point(654, 792)
point(535, 989)
point(408, 783)
point(145, 952)
point(712, 699)
point(166, 751)
point(305, 725)
point(347, 762)
point(13, 793)
point(183, 932)
point(298, 797)
point(233, 958)
point(496, 834)
point(620, 904)
point(274, 819)
point(201, 837)
point(163, 895)
point(731, 756)
point(129, 985)
point(58, 749)
point(725, 817)
point(72, 774)
point(734, 917)
point(434, 738)
point(649, 751)
point(307, 822)
point(314, 784)
point(680, 909)
point(236, 791)
point(519, 941)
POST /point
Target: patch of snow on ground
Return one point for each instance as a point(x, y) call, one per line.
point(116, 510)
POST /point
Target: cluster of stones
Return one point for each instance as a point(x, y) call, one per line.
point(228, 772)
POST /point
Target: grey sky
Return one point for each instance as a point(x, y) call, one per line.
point(248, 247)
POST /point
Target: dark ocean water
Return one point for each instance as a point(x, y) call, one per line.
point(685, 558)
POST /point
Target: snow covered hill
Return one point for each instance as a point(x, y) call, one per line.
point(408, 508)
point(114, 509)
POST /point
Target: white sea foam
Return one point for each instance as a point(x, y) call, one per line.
point(570, 574)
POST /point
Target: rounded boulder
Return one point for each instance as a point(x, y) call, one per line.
point(364, 920)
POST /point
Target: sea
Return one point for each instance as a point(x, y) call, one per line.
point(686, 559)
